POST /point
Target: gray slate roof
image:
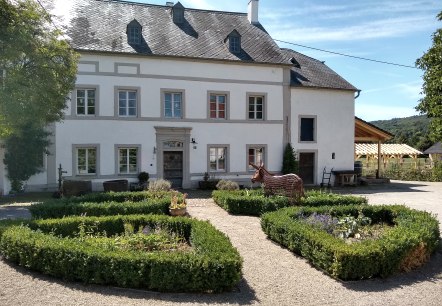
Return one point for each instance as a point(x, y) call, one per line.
point(434, 149)
point(314, 73)
point(99, 25)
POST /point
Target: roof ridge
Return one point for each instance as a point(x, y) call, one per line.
point(166, 6)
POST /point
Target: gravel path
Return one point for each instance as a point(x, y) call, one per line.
point(271, 276)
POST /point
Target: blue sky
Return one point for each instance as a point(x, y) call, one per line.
point(386, 30)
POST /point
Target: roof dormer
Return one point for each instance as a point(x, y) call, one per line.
point(133, 32)
point(234, 41)
point(178, 13)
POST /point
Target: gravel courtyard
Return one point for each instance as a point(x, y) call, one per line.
point(271, 274)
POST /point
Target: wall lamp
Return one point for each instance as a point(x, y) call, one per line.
point(193, 141)
point(154, 150)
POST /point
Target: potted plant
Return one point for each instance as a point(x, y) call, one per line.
point(143, 177)
point(176, 207)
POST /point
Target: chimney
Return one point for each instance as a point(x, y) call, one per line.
point(253, 12)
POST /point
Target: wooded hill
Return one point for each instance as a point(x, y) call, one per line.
point(410, 130)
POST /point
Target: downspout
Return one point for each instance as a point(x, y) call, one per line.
point(359, 93)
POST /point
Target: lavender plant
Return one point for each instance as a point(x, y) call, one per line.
point(322, 221)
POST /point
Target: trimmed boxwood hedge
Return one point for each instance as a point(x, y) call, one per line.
point(370, 258)
point(254, 203)
point(213, 265)
point(103, 204)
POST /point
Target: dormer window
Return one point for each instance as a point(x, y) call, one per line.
point(178, 13)
point(234, 41)
point(134, 33)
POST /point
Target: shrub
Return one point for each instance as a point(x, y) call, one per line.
point(160, 185)
point(381, 257)
point(47, 246)
point(101, 204)
point(227, 185)
point(289, 162)
point(143, 177)
point(254, 203)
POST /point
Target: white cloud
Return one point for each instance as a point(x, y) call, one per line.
point(411, 90)
point(392, 27)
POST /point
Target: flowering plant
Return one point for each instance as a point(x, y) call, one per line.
point(175, 202)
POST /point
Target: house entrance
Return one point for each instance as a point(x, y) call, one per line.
point(173, 167)
point(307, 167)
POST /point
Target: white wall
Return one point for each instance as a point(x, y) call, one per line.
point(335, 126)
point(196, 79)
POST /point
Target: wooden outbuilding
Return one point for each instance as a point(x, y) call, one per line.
point(435, 152)
point(367, 132)
point(388, 152)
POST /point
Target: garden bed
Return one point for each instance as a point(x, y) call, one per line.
point(254, 203)
point(407, 242)
point(113, 251)
point(102, 204)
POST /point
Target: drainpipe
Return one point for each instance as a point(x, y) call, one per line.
point(359, 93)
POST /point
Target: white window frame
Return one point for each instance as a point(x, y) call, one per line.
point(127, 100)
point(215, 150)
point(119, 149)
point(173, 93)
point(256, 147)
point(218, 94)
point(87, 148)
point(255, 96)
point(86, 101)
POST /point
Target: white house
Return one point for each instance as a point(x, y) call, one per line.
point(178, 92)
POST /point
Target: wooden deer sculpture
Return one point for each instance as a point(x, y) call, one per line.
point(289, 185)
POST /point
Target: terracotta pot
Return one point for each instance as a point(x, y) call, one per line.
point(177, 211)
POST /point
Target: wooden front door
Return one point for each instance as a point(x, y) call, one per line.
point(173, 167)
point(307, 167)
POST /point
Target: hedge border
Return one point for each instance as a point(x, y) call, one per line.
point(254, 203)
point(213, 266)
point(103, 204)
point(367, 259)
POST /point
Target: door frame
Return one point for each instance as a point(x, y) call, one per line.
point(179, 134)
point(315, 164)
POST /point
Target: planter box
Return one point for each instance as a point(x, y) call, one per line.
point(116, 185)
point(76, 188)
point(208, 185)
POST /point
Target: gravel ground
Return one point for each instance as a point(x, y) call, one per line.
point(271, 274)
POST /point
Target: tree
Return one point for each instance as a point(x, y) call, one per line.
point(24, 154)
point(289, 162)
point(39, 65)
point(431, 103)
point(37, 72)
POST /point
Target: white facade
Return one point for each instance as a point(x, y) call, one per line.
point(333, 114)
point(196, 80)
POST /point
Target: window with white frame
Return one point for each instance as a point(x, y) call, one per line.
point(86, 161)
point(127, 160)
point(307, 129)
point(127, 103)
point(256, 107)
point(255, 156)
point(217, 106)
point(218, 159)
point(173, 105)
point(86, 101)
